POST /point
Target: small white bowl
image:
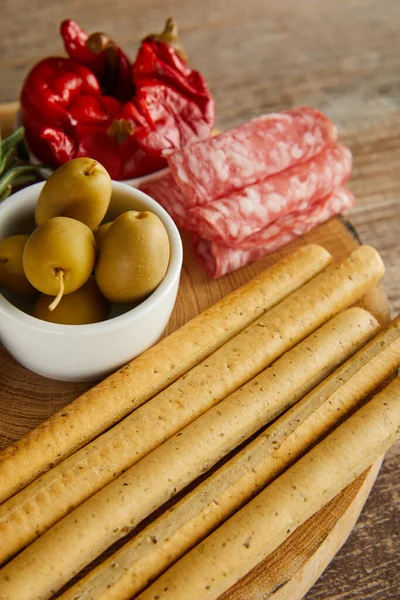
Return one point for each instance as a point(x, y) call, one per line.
point(87, 352)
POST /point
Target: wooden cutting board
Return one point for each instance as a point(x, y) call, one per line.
point(288, 573)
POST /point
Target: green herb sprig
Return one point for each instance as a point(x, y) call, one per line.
point(15, 167)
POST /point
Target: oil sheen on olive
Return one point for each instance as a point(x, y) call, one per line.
point(59, 244)
point(134, 257)
point(12, 276)
point(86, 305)
point(80, 189)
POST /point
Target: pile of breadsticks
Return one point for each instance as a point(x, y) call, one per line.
point(283, 360)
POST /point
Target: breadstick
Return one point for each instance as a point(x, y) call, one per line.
point(118, 395)
point(82, 535)
point(36, 508)
point(129, 570)
point(267, 521)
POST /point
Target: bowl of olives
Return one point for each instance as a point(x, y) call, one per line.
point(89, 273)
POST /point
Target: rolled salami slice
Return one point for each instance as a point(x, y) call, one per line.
point(166, 192)
point(218, 259)
point(232, 219)
point(215, 167)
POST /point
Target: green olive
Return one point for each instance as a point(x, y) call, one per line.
point(134, 257)
point(86, 305)
point(80, 189)
point(59, 256)
point(99, 234)
point(12, 276)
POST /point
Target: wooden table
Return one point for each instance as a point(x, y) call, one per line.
point(341, 57)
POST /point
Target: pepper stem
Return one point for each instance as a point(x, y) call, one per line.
point(100, 42)
point(120, 130)
point(169, 36)
point(60, 275)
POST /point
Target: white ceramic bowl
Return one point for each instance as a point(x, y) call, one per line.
point(86, 352)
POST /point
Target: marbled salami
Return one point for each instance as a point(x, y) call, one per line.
point(167, 193)
point(218, 259)
point(232, 219)
point(215, 167)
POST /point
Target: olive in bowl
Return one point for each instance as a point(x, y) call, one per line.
point(91, 351)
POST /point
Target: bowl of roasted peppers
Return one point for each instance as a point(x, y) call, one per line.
point(127, 114)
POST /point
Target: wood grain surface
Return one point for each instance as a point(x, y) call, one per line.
point(257, 56)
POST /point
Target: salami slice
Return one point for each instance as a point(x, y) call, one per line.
point(215, 167)
point(218, 259)
point(167, 193)
point(232, 219)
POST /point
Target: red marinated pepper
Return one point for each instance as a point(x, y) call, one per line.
point(48, 94)
point(59, 95)
point(100, 54)
point(116, 147)
point(97, 104)
point(173, 97)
